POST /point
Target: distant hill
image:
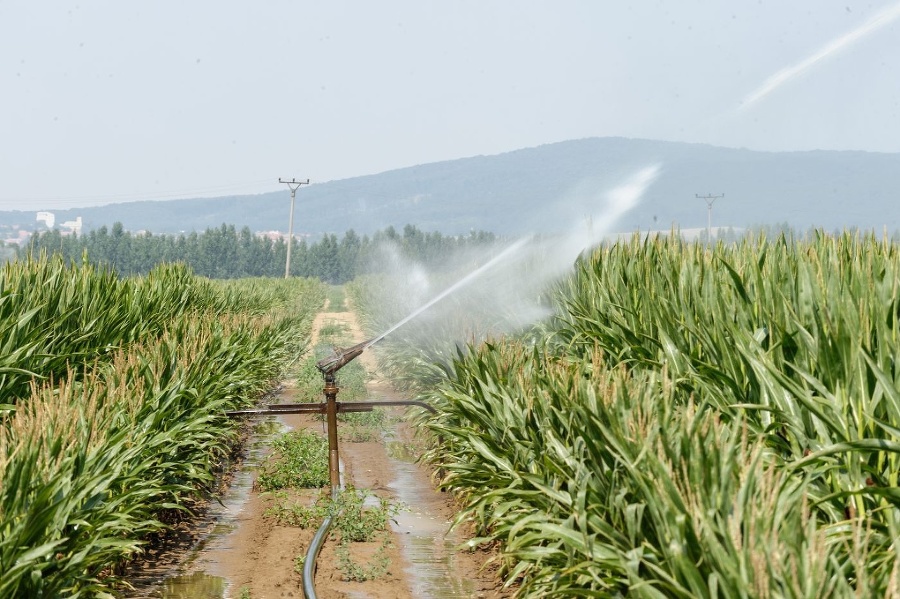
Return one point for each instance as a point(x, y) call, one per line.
point(550, 188)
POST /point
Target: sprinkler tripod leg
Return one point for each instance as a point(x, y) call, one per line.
point(334, 467)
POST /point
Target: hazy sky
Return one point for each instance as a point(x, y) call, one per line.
point(106, 101)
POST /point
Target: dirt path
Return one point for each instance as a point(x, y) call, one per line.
point(260, 556)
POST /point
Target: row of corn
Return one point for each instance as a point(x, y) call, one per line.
point(694, 422)
point(112, 401)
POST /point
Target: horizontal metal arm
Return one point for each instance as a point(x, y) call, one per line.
point(319, 408)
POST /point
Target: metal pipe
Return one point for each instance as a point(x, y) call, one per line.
point(302, 408)
point(320, 408)
point(334, 468)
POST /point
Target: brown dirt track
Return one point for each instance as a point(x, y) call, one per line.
point(259, 555)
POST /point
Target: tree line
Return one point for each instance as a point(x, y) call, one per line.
point(227, 253)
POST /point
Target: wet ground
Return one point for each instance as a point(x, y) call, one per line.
point(421, 530)
point(429, 546)
point(237, 552)
point(177, 577)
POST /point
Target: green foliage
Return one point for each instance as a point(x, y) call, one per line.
point(337, 301)
point(352, 381)
point(374, 568)
point(299, 460)
point(225, 253)
point(354, 522)
point(295, 513)
point(333, 333)
point(114, 410)
point(299, 563)
point(377, 418)
point(698, 422)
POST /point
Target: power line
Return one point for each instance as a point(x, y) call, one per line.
point(294, 185)
point(709, 198)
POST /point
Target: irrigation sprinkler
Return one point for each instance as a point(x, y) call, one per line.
point(329, 366)
point(331, 407)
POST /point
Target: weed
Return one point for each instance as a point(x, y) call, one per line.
point(294, 513)
point(352, 433)
point(299, 562)
point(299, 460)
point(337, 300)
point(377, 418)
point(358, 522)
point(351, 379)
point(333, 332)
point(376, 567)
point(363, 427)
point(354, 521)
point(403, 451)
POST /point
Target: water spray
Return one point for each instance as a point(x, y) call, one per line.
point(835, 46)
point(505, 254)
point(621, 200)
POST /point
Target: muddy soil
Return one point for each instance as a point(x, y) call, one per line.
point(258, 558)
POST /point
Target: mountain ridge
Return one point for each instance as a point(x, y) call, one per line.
point(552, 187)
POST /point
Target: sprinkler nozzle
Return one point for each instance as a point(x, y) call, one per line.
point(340, 357)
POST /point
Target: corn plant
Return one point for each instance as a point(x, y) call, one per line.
point(120, 437)
point(697, 421)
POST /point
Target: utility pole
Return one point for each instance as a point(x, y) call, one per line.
point(710, 198)
point(294, 185)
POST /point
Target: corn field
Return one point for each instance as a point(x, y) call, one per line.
point(112, 401)
point(694, 422)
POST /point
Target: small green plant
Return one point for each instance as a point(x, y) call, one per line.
point(309, 381)
point(352, 381)
point(352, 433)
point(363, 427)
point(377, 418)
point(358, 523)
point(403, 451)
point(333, 332)
point(355, 521)
point(299, 460)
point(376, 566)
point(294, 513)
point(245, 593)
point(337, 300)
point(299, 562)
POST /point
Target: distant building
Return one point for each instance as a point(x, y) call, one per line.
point(71, 226)
point(19, 238)
point(272, 235)
point(48, 218)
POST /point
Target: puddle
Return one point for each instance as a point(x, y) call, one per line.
point(399, 451)
point(426, 543)
point(176, 580)
point(198, 585)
